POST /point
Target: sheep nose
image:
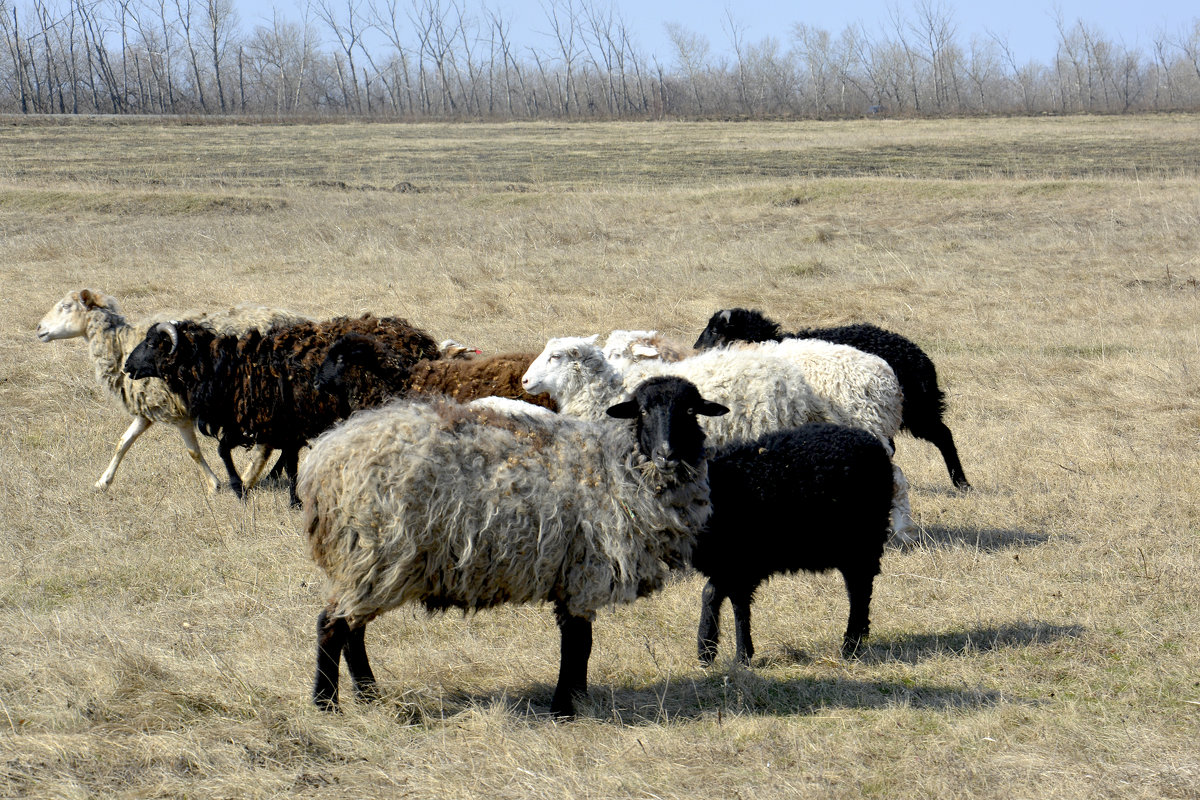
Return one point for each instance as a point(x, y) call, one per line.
point(664, 456)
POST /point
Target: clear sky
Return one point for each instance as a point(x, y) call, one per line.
point(1027, 25)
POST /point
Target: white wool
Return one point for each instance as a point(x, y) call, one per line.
point(766, 387)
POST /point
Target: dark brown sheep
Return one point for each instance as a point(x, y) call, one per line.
point(258, 388)
point(363, 372)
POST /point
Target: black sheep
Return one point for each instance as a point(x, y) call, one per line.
point(258, 388)
point(924, 401)
point(811, 498)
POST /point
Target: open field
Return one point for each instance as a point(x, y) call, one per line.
point(1043, 639)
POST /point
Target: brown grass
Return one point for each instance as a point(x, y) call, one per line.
point(1041, 641)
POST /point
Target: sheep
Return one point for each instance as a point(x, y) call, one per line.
point(861, 388)
point(364, 372)
point(625, 347)
point(924, 401)
point(768, 389)
point(257, 389)
point(97, 317)
point(811, 498)
point(459, 507)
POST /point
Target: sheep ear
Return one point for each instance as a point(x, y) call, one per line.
point(726, 314)
point(91, 299)
point(711, 409)
point(627, 410)
point(591, 339)
point(643, 351)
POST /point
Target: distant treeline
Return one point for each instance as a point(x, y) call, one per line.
point(432, 59)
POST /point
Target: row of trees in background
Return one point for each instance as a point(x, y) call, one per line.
point(427, 59)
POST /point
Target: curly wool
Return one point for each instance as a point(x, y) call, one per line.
point(458, 507)
point(471, 379)
point(258, 388)
point(767, 387)
point(110, 339)
point(366, 373)
point(764, 392)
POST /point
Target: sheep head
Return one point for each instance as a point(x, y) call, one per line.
point(155, 352)
point(737, 325)
point(564, 360)
point(356, 350)
point(664, 411)
point(69, 317)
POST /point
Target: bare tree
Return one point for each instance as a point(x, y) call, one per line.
point(691, 52)
point(348, 30)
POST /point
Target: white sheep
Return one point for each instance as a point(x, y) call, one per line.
point(97, 317)
point(861, 388)
point(464, 507)
point(768, 388)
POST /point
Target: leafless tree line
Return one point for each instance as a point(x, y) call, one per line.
point(439, 59)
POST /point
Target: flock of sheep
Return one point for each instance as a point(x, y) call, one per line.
point(578, 476)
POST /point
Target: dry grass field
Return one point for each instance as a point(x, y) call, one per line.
point(1041, 641)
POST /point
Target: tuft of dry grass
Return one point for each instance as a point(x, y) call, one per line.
point(1040, 639)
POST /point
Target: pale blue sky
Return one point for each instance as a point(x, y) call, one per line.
point(1027, 25)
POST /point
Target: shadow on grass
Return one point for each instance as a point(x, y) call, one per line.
point(727, 689)
point(912, 648)
point(985, 539)
point(717, 694)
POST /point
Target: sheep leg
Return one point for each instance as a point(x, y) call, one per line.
point(277, 471)
point(858, 588)
point(935, 431)
point(292, 456)
point(710, 623)
point(355, 653)
point(225, 450)
point(332, 633)
point(741, 621)
point(575, 650)
point(135, 429)
point(261, 453)
point(188, 433)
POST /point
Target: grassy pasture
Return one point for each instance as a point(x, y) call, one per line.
point(1040, 641)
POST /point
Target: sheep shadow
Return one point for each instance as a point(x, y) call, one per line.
point(984, 539)
point(912, 648)
point(719, 693)
point(729, 689)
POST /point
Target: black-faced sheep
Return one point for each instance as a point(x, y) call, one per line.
point(811, 498)
point(768, 389)
point(924, 401)
point(364, 372)
point(457, 507)
point(97, 317)
point(257, 389)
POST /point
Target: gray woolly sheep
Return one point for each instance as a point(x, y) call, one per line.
point(111, 338)
point(458, 507)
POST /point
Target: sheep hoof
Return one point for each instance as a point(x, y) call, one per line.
point(851, 648)
point(100, 485)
